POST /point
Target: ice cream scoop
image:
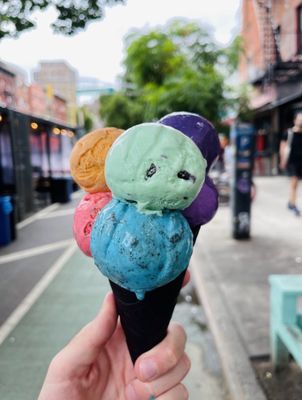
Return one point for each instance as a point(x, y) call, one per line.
point(84, 217)
point(199, 129)
point(140, 252)
point(88, 158)
point(155, 166)
point(204, 206)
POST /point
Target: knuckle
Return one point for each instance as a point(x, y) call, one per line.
point(171, 358)
point(178, 330)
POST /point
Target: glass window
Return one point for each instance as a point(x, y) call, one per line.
point(45, 161)
point(67, 145)
point(6, 157)
point(36, 153)
point(299, 30)
point(55, 149)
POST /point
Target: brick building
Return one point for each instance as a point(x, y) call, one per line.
point(7, 86)
point(272, 64)
point(33, 98)
point(37, 100)
point(59, 108)
point(23, 104)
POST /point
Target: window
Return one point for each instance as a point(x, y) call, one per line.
point(6, 157)
point(299, 30)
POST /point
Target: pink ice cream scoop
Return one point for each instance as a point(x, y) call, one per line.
point(84, 217)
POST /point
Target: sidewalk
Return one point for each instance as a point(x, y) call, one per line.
point(67, 294)
point(232, 280)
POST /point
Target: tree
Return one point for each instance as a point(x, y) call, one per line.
point(244, 111)
point(178, 67)
point(73, 16)
point(121, 111)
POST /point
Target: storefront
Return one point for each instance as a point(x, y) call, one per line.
point(33, 151)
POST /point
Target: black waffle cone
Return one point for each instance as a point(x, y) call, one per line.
point(145, 322)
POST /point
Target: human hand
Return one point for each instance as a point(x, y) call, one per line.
point(96, 365)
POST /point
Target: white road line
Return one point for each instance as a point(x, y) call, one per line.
point(34, 251)
point(16, 316)
point(59, 213)
point(43, 212)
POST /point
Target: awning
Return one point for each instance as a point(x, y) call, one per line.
point(280, 102)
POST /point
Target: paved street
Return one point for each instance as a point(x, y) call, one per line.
point(42, 239)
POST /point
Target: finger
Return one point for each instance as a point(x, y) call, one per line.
point(138, 390)
point(179, 392)
point(163, 357)
point(186, 278)
point(85, 346)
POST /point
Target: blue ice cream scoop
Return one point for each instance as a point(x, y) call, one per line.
point(137, 251)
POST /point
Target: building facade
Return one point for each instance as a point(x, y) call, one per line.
point(59, 79)
point(8, 86)
point(35, 142)
point(34, 154)
point(59, 108)
point(37, 101)
point(272, 64)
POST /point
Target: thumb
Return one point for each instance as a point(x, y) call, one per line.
point(84, 348)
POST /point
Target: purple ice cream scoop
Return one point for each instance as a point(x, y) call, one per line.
point(205, 205)
point(199, 129)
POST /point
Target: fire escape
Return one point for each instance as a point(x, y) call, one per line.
point(276, 70)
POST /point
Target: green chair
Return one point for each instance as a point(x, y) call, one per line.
point(286, 322)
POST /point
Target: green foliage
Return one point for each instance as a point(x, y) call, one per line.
point(233, 52)
point(175, 68)
point(88, 121)
point(121, 111)
point(162, 59)
point(244, 111)
point(84, 118)
point(73, 16)
point(192, 92)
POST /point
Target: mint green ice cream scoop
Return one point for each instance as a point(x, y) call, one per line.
point(155, 166)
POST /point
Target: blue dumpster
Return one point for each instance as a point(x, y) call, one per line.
point(5, 220)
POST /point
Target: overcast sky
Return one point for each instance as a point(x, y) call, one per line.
point(98, 51)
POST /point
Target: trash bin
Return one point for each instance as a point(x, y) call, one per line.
point(61, 190)
point(6, 209)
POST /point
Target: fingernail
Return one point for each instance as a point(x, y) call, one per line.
point(148, 369)
point(131, 393)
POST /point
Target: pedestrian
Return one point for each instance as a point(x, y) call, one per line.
point(96, 365)
point(291, 160)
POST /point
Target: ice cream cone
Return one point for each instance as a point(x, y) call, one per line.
point(145, 322)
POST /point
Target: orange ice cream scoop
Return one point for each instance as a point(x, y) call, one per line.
point(88, 156)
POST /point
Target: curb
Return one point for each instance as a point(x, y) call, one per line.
point(239, 375)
